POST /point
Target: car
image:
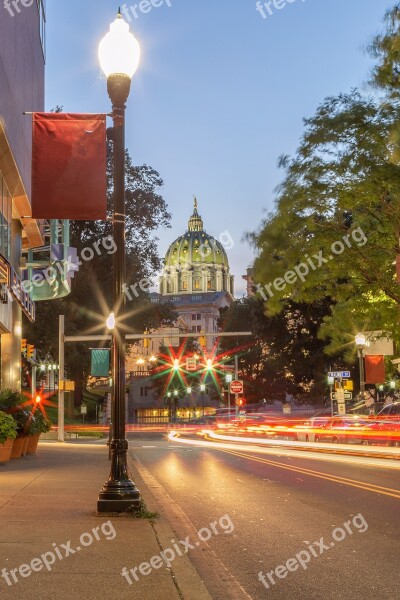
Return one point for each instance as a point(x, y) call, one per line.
point(311, 427)
point(344, 429)
point(388, 424)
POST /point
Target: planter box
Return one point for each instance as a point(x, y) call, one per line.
point(33, 444)
point(17, 447)
point(25, 445)
point(5, 451)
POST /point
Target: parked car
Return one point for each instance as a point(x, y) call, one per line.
point(344, 430)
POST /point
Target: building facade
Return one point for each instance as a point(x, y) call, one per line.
point(196, 281)
point(22, 88)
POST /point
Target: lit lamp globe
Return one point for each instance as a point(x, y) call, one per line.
point(360, 339)
point(119, 57)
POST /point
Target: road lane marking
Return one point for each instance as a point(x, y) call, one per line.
point(370, 487)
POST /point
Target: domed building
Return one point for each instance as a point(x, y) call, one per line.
point(196, 263)
point(196, 278)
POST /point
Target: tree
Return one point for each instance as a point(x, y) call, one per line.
point(386, 49)
point(90, 301)
point(284, 354)
point(335, 231)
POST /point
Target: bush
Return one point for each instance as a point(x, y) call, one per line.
point(39, 423)
point(8, 428)
point(12, 403)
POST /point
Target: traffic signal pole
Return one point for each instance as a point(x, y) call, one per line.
point(61, 409)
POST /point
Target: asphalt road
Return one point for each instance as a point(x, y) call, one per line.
point(278, 507)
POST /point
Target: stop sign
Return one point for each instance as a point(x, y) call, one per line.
point(237, 387)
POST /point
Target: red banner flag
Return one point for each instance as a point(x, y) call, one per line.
point(375, 369)
point(69, 167)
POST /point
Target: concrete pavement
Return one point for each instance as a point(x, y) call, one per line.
point(52, 544)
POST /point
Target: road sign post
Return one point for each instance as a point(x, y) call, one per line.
point(236, 387)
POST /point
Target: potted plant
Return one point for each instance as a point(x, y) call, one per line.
point(39, 424)
point(23, 420)
point(8, 433)
point(13, 403)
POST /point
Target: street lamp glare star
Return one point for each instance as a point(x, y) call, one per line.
point(119, 50)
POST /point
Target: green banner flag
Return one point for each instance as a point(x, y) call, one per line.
point(100, 366)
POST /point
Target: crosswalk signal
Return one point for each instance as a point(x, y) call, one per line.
point(23, 346)
point(30, 351)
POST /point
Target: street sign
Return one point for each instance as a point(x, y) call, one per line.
point(342, 409)
point(346, 396)
point(348, 385)
point(236, 387)
point(340, 395)
point(191, 364)
point(83, 410)
point(339, 374)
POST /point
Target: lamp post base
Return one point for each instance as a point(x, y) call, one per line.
point(118, 498)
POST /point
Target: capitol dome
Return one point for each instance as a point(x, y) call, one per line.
point(196, 262)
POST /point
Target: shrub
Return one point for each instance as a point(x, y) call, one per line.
point(8, 428)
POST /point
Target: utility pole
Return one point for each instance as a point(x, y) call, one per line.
point(61, 333)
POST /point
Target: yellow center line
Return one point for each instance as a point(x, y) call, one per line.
point(370, 487)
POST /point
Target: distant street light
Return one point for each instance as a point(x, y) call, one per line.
point(119, 55)
point(111, 321)
point(360, 340)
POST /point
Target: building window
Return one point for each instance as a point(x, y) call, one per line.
point(184, 285)
point(197, 283)
point(5, 219)
point(144, 392)
point(198, 317)
point(198, 328)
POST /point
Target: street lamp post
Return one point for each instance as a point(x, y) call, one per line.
point(119, 55)
point(360, 342)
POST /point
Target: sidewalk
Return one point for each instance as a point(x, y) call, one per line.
point(49, 500)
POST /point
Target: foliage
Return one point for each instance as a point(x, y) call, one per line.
point(39, 423)
point(141, 512)
point(386, 49)
point(284, 355)
point(341, 182)
point(8, 428)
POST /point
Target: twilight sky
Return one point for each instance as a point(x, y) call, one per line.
point(220, 93)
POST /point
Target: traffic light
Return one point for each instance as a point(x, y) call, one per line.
point(38, 399)
point(30, 351)
point(176, 364)
point(23, 346)
point(202, 340)
point(146, 341)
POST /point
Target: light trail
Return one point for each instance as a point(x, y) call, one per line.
point(285, 452)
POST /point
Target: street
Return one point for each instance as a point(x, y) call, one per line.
point(281, 505)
